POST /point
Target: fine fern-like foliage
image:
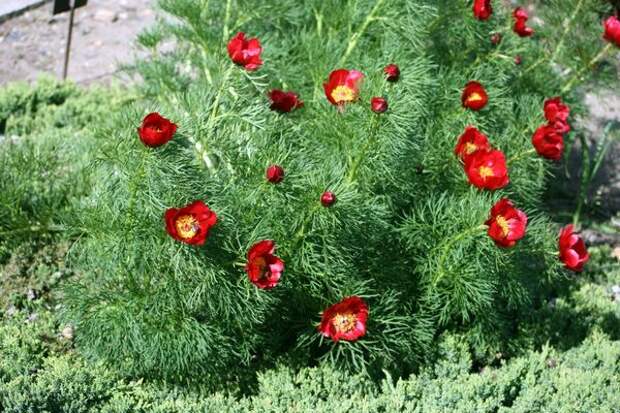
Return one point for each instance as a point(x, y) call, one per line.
point(407, 231)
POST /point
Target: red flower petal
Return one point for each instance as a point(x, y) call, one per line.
point(474, 96)
point(345, 320)
point(471, 141)
point(520, 27)
point(244, 52)
point(284, 101)
point(482, 9)
point(548, 142)
point(507, 224)
point(263, 268)
point(343, 86)
point(156, 130)
point(573, 252)
point(612, 30)
point(191, 223)
point(487, 170)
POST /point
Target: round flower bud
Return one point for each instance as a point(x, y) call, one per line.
point(392, 72)
point(328, 199)
point(275, 174)
point(378, 104)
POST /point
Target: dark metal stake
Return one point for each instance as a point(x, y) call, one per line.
point(68, 48)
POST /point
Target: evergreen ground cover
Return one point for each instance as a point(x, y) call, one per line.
point(161, 325)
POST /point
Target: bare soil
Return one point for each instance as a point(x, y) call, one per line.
point(104, 34)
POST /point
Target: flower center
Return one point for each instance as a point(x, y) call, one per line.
point(485, 172)
point(503, 224)
point(343, 94)
point(262, 264)
point(343, 323)
point(474, 97)
point(470, 148)
point(187, 226)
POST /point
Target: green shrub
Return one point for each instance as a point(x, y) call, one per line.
point(46, 143)
point(39, 373)
point(406, 232)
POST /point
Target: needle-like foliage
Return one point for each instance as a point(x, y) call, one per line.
point(406, 233)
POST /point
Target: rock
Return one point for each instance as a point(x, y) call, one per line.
point(11, 311)
point(67, 332)
point(32, 294)
point(105, 15)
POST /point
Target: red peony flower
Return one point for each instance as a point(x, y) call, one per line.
point(245, 52)
point(378, 104)
point(284, 101)
point(557, 114)
point(482, 9)
point(474, 96)
point(487, 169)
point(328, 199)
point(343, 86)
point(156, 130)
point(573, 252)
point(191, 223)
point(264, 269)
point(392, 72)
point(506, 224)
point(518, 60)
point(548, 142)
point(345, 320)
point(275, 174)
point(612, 30)
point(520, 27)
point(471, 141)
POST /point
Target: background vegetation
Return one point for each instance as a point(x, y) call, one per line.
point(564, 355)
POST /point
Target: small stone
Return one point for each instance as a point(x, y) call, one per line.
point(32, 318)
point(105, 15)
point(67, 332)
point(32, 294)
point(552, 363)
point(11, 311)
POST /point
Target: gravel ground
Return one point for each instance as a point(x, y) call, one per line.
point(103, 37)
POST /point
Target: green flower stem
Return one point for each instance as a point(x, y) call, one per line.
point(560, 45)
point(225, 30)
point(521, 156)
point(589, 66)
point(356, 36)
point(362, 154)
point(447, 247)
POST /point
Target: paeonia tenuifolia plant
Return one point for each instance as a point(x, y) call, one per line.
point(330, 181)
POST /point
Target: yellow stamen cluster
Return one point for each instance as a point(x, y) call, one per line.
point(485, 172)
point(470, 148)
point(187, 226)
point(343, 94)
point(344, 322)
point(503, 224)
point(474, 97)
